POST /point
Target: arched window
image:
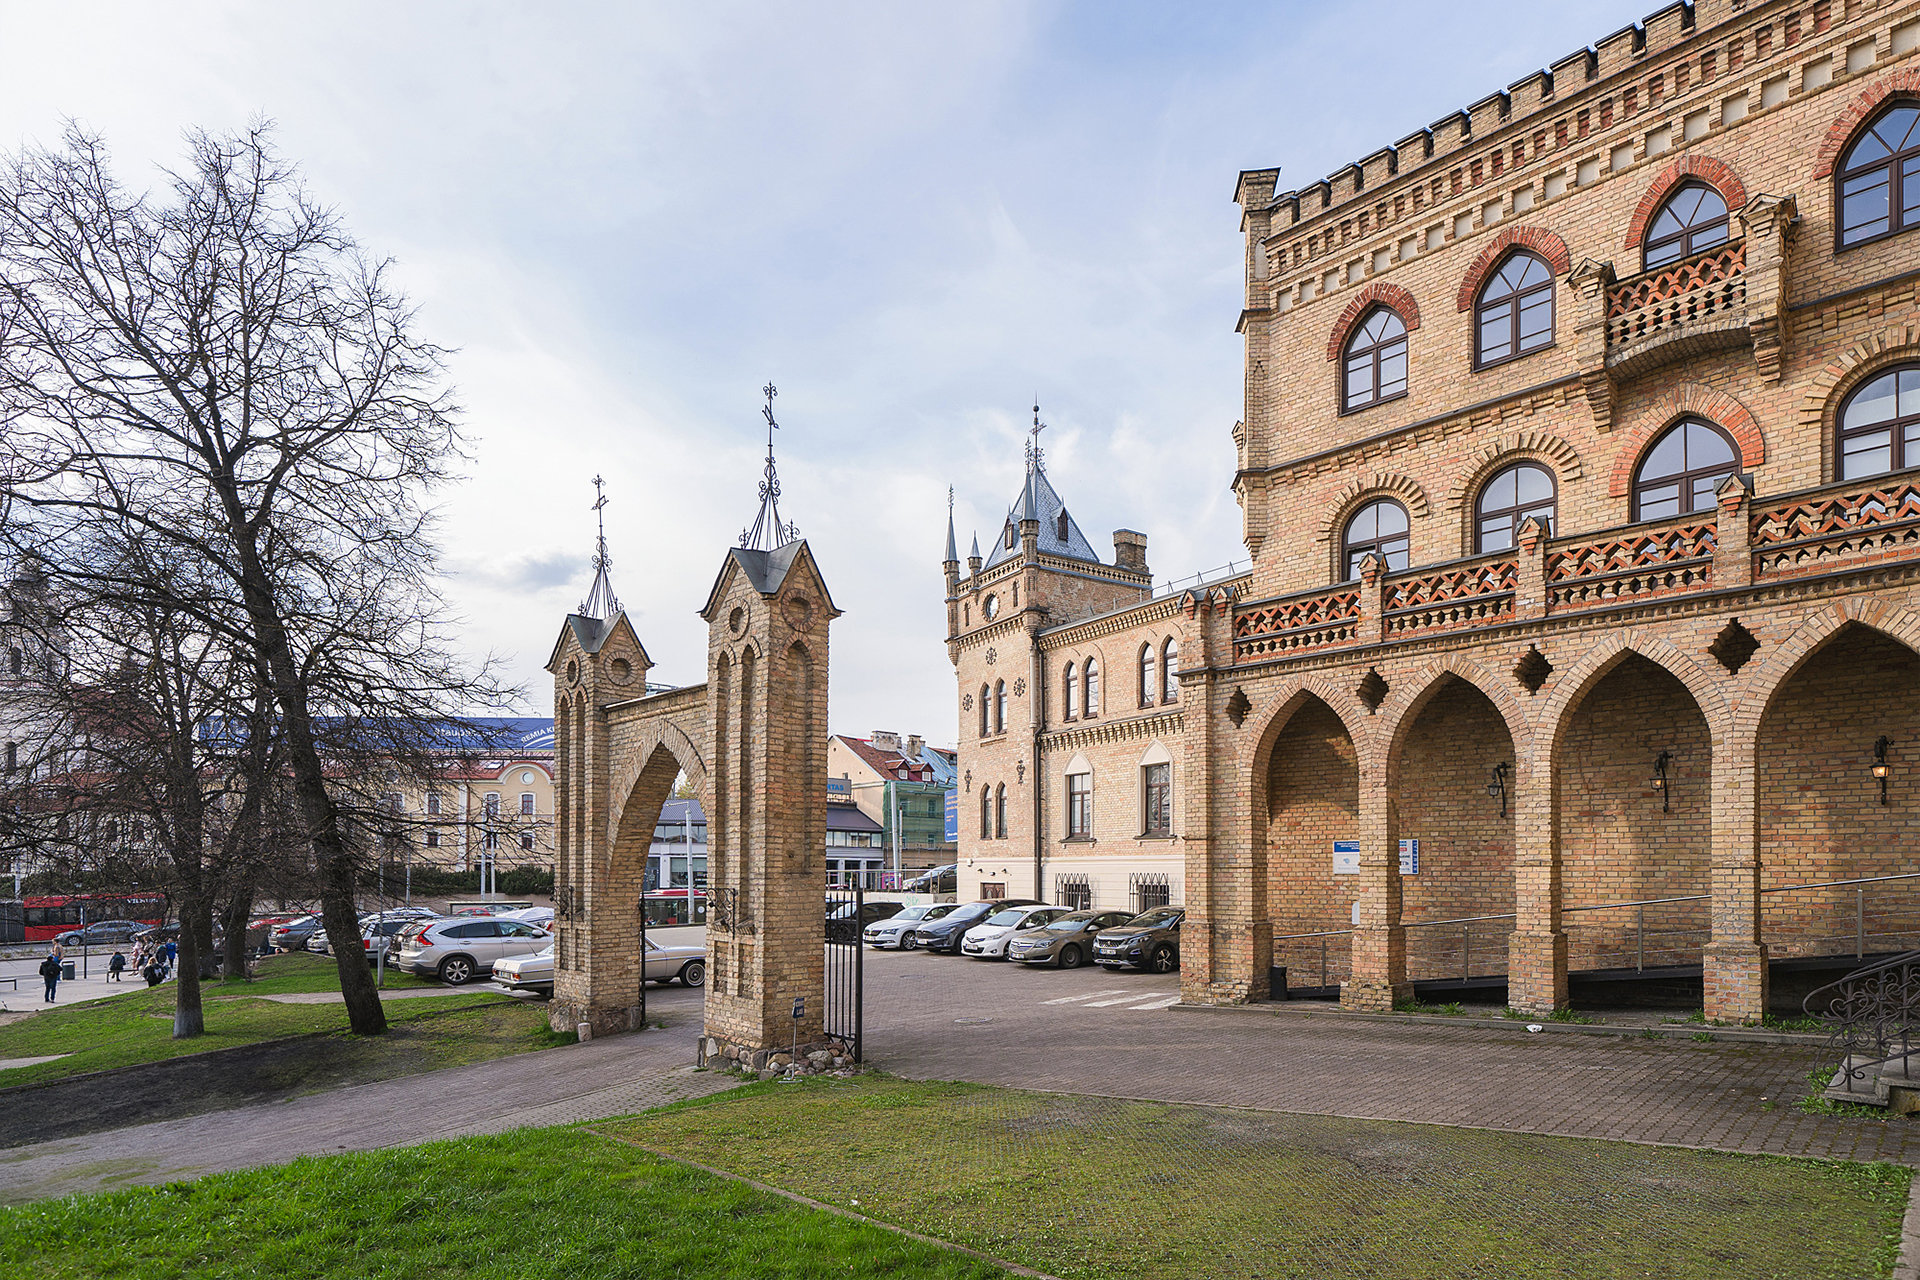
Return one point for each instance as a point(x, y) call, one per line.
point(1149, 679)
point(1880, 424)
point(1060, 526)
point(1169, 664)
point(999, 706)
point(1000, 812)
point(1379, 528)
point(1878, 178)
point(1515, 493)
point(1090, 686)
point(1693, 220)
point(1072, 686)
point(986, 718)
point(1679, 473)
point(1013, 536)
point(986, 813)
point(1515, 311)
point(1375, 363)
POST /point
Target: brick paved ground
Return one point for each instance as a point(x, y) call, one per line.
point(924, 1014)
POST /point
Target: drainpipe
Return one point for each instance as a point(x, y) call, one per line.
point(1037, 682)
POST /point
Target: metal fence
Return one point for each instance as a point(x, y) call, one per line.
point(844, 1016)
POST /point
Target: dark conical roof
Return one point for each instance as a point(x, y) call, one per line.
point(1039, 501)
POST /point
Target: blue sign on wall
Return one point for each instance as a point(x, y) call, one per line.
point(953, 816)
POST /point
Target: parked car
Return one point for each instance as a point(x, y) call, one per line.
point(538, 917)
point(1066, 942)
point(945, 933)
point(103, 933)
point(842, 927)
point(664, 964)
point(897, 930)
point(1150, 941)
point(935, 880)
point(292, 935)
point(377, 935)
point(456, 950)
point(988, 940)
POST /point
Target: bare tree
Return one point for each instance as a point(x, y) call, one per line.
point(221, 370)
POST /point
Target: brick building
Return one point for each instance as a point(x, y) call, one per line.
point(1578, 469)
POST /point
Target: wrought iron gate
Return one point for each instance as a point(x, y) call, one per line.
point(846, 917)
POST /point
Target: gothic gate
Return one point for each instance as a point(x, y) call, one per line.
point(751, 741)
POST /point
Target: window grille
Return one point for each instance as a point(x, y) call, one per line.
point(1072, 891)
point(1150, 889)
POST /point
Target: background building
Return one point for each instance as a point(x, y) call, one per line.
point(902, 786)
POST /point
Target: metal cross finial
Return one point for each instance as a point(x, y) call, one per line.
point(768, 531)
point(600, 601)
point(1036, 456)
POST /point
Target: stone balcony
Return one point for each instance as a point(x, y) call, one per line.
point(1729, 296)
point(1854, 525)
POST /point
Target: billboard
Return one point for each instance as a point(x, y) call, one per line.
point(953, 816)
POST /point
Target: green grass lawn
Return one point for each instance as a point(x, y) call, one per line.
point(540, 1203)
point(137, 1027)
point(1098, 1188)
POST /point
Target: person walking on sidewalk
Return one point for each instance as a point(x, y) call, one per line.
point(116, 965)
point(50, 970)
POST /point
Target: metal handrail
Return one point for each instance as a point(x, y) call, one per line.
point(1642, 902)
point(1324, 933)
point(1424, 924)
point(1834, 884)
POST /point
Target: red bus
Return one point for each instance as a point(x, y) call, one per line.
point(45, 918)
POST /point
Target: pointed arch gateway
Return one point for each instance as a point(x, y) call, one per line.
point(750, 741)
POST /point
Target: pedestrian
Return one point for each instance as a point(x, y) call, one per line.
point(50, 970)
point(173, 951)
point(116, 965)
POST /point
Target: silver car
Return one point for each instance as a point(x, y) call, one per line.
point(1067, 942)
point(664, 964)
point(457, 950)
point(897, 931)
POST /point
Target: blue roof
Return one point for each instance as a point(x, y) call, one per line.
point(674, 812)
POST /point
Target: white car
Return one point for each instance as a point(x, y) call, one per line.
point(538, 917)
point(664, 964)
point(989, 938)
point(897, 931)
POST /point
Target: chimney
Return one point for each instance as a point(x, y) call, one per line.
point(1130, 550)
point(886, 740)
point(914, 743)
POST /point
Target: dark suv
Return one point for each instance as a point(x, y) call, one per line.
point(1150, 941)
point(945, 933)
point(842, 927)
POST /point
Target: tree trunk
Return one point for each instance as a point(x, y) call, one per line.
point(203, 937)
point(189, 1019)
point(237, 951)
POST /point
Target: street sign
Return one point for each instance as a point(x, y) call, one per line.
point(1346, 857)
point(1409, 857)
point(799, 1008)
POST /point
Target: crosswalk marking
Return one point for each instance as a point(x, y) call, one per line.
point(1088, 996)
point(1102, 1004)
point(1165, 1003)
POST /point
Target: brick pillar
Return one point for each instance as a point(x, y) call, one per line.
point(1530, 585)
point(1769, 223)
point(1373, 610)
point(1537, 952)
point(1732, 553)
point(1199, 956)
point(1735, 960)
point(1379, 965)
point(1590, 281)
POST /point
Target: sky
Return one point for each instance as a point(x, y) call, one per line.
point(914, 220)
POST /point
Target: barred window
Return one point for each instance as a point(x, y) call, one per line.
point(1150, 889)
point(1072, 891)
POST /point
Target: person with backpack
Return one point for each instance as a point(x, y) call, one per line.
point(50, 970)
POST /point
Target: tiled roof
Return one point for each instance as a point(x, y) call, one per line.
point(888, 764)
point(1038, 501)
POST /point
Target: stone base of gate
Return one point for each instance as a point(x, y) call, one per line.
point(1735, 981)
point(604, 1021)
point(1369, 995)
point(816, 1057)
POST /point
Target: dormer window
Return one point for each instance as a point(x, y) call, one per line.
point(1013, 536)
point(1060, 527)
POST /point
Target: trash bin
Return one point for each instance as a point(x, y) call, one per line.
point(1276, 982)
point(66, 970)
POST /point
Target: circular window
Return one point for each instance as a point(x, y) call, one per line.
point(573, 672)
point(622, 670)
point(526, 777)
point(990, 608)
point(737, 620)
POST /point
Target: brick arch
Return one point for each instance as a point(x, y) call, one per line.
point(1412, 694)
point(1866, 105)
point(1534, 446)
point(1292, 695)
point(1381, 484)
point(1538, 239)
point(1833, 381)
point(1770, 675)
point(1566, 692)
point(1715, 173)
point(1382, 293)
point(1688, 400)
point(637, 758)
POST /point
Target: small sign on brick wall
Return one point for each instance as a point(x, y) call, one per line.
point(1346, 857)
point(1409, 857)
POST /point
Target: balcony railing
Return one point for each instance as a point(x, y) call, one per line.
point(1706, 287)
point(1834, 528)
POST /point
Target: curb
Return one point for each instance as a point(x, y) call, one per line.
point(1679, 1031)
point(1908, 1267)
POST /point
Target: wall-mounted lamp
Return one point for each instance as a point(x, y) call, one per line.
point(1497, 784)
point(1659, 780)
point(1881, 769)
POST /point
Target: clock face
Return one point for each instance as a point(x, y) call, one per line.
point(990, 608)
